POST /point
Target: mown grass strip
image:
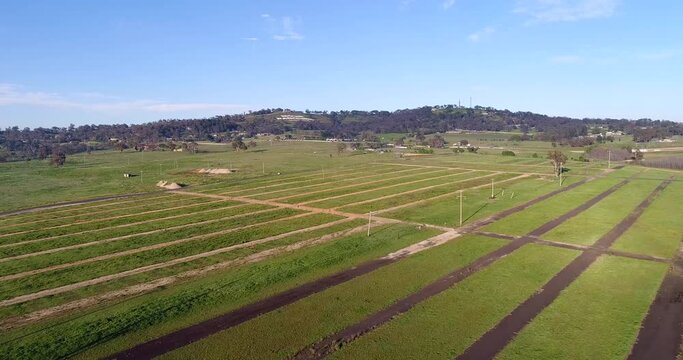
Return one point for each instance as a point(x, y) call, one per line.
point(658, 232)
point(477, 203)
point(308, 237)
point(307, 320)
point(42, 231)
point(531, 218)
point(601, 311)
point(164, 251)
point(314, 179)
point(369, 196)
point(446, 324)
point(188, 223)
point(603, 215)
point(66, 212)
point(350, 185)
point(119, 326)
point(347, 182)
point(238, 185)
point(400, 199)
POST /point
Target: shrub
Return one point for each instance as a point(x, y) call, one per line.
point(508, 153)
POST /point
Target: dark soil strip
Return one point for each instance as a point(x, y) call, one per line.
point(497, 338)
point(77, 202)
point(557, 221)
point(660, 334)
point(329, 344)
point(201, 330)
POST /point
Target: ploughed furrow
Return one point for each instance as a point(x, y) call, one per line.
point(310, 201)
point(100, 223)
point(660, 332)
point(288, 221)
point(497, 338)
point(328, 345)
point(315, 179)
point(168, 280)
point(199, 331)
point(296, 196)
point(294, 191)
point(132, 233)
point(52, 215)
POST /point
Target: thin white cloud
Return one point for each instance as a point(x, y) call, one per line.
point(265, 16)
point(250, 39)
point(548, 11)
point(657, 55)
point(482, 34)
point(288, 31)
point(405, 4)
point(447, 4)
point(14, 95)
point(566, 59)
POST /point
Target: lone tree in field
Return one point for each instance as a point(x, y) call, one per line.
point(557, 158)
point(341, 147)
point(238, 144)
point(58, 157)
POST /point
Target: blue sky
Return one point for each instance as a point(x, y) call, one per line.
point(113, 61)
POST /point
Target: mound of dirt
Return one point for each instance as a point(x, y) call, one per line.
point(216, 171)
point(168, 186)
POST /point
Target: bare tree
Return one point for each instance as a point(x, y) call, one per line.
point(557, 158)
point(341, 147)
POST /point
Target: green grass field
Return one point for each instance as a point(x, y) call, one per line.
point(91, 279)
point(597, 317)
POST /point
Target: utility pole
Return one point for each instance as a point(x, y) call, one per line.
point(561, 171)
point(460, 207)
point(141, 176)
point(609, 159)
point(492, 190)
point(264, 168)
point(369, 221)
point(159, 169)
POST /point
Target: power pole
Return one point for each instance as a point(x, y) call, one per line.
point(369, 220)
point(561, 171)
point(141, 176)
point(460, 207)
point(609, 159)
point(492, 190)
point(159, 169)
point(264, 168)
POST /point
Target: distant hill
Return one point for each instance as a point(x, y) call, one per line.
point(18, 143)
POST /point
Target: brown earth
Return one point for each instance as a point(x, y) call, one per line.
point(491, 343)
point(186, 336)
point(329, 344)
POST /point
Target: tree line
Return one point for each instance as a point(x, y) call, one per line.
point(40, 143)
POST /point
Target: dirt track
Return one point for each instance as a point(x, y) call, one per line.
point(384, 187)
point(194, 333)
point(102, 279)
point(491, 343)
point(79, 223)
point(5, 224)
point(155, 284)
point(328, 345)
point(336, 188)
point(660, 333)
point(73, 203)
point(412, 191)
point(123, 237)
point(372, 189)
